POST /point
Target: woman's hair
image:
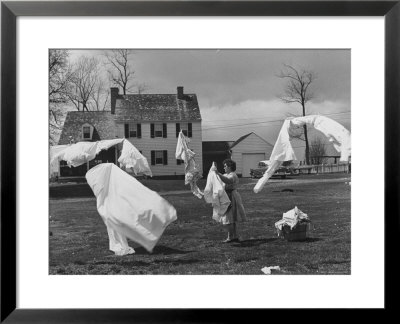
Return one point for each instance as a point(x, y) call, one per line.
point(231, 164)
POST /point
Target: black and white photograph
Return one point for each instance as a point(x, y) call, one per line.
point(190, 161)
point(211, 161)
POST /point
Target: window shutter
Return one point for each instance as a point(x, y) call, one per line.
point(153, 158)
point(189, 129)
point(126, 130)
point(152, 130)
point(165, 159)
point(178, 129)
point(139, 130)
point(164, 127)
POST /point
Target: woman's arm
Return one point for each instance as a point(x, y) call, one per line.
point(225, 179)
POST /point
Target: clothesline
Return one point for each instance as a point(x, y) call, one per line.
point(82, 152)
point(339, 136)
point(192, 173)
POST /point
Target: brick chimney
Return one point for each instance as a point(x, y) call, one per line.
point(114, 95)
point(180, 93)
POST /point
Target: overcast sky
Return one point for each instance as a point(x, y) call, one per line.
point(238, 86)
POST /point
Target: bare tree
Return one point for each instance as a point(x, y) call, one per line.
point(120, 70)
point(297, 91)
point(142, 87)
point(59, 78)
point(99, 98)
point(317, 151)
point(86, 87)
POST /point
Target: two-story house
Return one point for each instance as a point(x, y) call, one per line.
point(151, 122)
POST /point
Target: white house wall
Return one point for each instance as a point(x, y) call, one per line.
point(251, 144)
point(146, 144)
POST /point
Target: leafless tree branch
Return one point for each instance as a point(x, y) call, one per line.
point(120, 70)
point(297, 91)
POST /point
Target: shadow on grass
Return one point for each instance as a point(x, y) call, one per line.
point(178, 262)
point(253, 242)
point(307, 240)
point(335, 261)
point(160, 249)
point(130, 263)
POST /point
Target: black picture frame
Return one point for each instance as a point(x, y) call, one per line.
point(11, 10)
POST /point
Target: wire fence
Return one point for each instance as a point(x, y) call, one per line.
point(325, 168)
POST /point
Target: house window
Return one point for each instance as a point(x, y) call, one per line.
point(133, 130)
point(186, 129)
point(159, 157)
point(86, 131)
point(158, 130)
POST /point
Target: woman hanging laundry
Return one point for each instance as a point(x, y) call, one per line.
point(235, 212)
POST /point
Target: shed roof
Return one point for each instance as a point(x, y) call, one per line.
point(242, 138)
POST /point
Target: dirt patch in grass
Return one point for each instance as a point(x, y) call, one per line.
point(193, 243)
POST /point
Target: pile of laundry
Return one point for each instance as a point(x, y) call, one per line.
point(292, 219)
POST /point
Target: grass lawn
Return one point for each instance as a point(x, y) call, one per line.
point(193, 243)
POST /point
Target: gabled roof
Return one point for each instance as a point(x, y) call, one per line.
point(102, 122)
point(156, 107)
point(240, 139)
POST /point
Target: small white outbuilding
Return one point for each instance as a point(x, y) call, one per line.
point(247, 151)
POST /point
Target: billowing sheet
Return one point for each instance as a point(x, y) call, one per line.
point(339, 136)
point(128, 209)
point(106, 144)
point(82, 152)
point(283, 151)
point(131, 158)
point(55, 150)
point(79, 153)
point(192, 174)
point(214, 193)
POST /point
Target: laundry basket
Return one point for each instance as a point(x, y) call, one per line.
point(297, 233)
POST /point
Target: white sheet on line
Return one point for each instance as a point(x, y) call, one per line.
point(192, 173)
point(132, 159)
point(128, 209)
point(54, 151)
point(80, 153)
point(214, 193)
point(283, 151)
